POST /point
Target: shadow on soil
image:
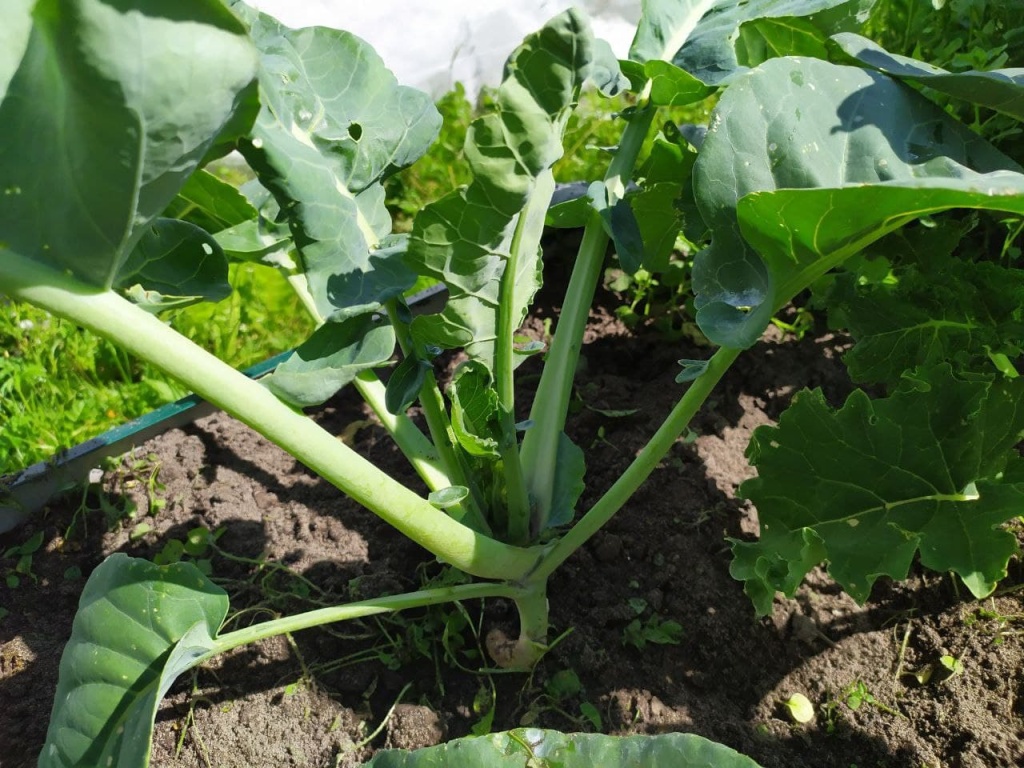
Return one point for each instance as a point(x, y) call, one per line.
point(723, 674)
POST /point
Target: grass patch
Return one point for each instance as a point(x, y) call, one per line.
point(43, 358)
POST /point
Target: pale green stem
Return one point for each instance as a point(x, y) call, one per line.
point(457, 468)
point(321, 616)
point(300, 285)
point(516, 498)
point(144, 335)
point(423, 456)
point(532, 606)
point(407, 436)
point(642, 466)
point(413, 443)
point(522, 254)
point(551, 403)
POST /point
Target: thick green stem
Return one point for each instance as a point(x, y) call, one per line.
point(551, 403)
point(322, 616)
point(407, 436)
point(300, 285)
point(142, 334)
point(456, 465)
point(523, 253)
point(526, 650)
point(516, 498)
point(645, 462)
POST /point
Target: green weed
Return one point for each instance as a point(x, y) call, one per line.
point(640, 632)
point(22, 555)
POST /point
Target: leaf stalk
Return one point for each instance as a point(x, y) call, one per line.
point(147, 337)
point(551, 402)
point(642, 466)
point(335, 613)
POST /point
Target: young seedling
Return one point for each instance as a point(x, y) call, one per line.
point(22, 555)
point(800, 709)
point(805, 166)
point(638, 633)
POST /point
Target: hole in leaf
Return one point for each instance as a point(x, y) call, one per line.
point(355, 131)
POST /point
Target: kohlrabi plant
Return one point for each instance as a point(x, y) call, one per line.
point(820, 147)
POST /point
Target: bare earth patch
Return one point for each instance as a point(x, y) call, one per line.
point(320, 697)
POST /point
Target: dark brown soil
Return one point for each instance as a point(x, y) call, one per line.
point(323, 697)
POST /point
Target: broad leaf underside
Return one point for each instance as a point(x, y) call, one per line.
point(532, 746)
point(87, 73)
point(138, 627)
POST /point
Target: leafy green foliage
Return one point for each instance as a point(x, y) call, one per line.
point(331, 358)
point(174, 264)
point(806, 166)
point(22, 555)
point(946, 310)
point(927, 470)
point(442, 169)
point(551, 748)
point(999, 90)
point(887, 145)
point(114, 672)
point(712, 52)
point(334, 124)
point(466, 239)
point(98, 205)
point(959, 35)
point(639, 633)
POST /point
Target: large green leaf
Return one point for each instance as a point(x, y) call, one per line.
point(885, 154)
point(551, 749)
point(803, 233)
point(210, 203)
point(174, 264)
point(665, 25)
point(767, 38)
point(664, 194)
point(1000, 89)
point(335, 124)
point(138, 627)
point(941, 310)
point(930, 469)
point(466, 239)
point(712, 48)
point(262, 239)
point(91, 153)
point(334, 355)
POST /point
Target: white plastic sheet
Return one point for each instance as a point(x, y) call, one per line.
point(432, 44)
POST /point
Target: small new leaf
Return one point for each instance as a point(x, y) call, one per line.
point(800, 708)
point(476, 417)
point(448, 497)
point(173, 265)
point(330, 359)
